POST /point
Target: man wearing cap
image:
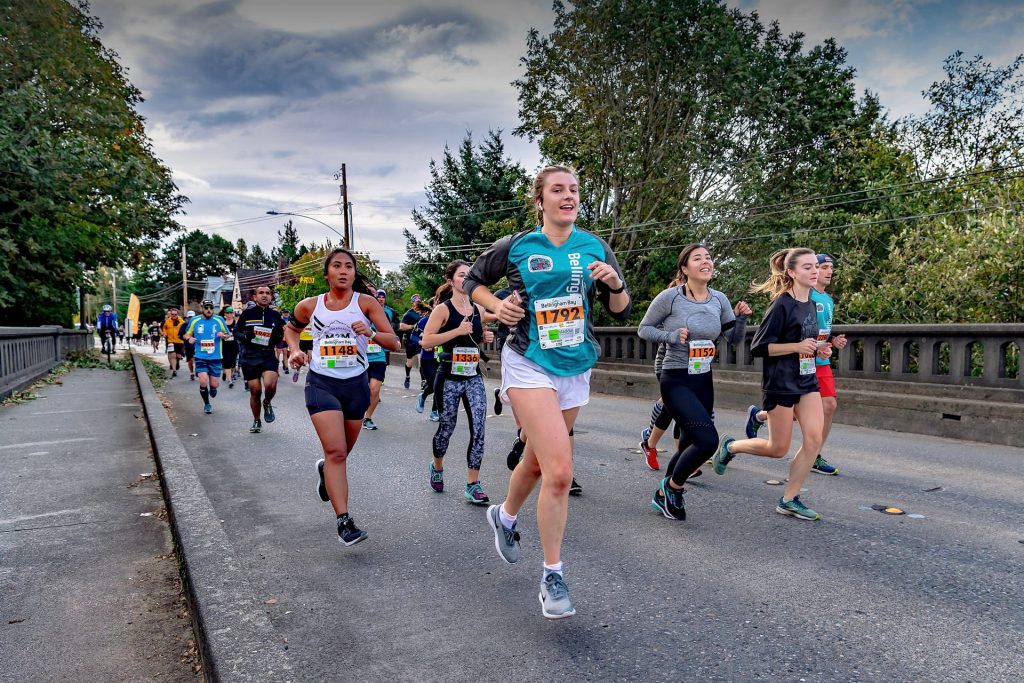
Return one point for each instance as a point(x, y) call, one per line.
point(204, 334)
point(412, 339)
point(825, 307)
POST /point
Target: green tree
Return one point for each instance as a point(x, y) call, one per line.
point(79, 184)
point(288, 247)
point(683, 117)
point(471, 188)
point(206, 256)
point(258, 258)
point(308, 276)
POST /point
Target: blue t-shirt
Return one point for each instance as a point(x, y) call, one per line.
point(420, 327)
point(208, 344)
point(374, 351)
point(557, 332)
point(825, 306)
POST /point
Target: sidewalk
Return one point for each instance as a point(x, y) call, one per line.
point(89, 584)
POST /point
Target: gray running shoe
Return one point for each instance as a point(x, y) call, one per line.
point(505, 540)
point(554, 597)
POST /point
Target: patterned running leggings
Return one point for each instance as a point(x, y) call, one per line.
point(474, 399)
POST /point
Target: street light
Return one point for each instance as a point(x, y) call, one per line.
point(288, 213)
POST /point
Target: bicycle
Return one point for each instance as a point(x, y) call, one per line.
point(107, 338)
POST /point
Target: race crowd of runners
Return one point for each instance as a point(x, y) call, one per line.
point(555, 274)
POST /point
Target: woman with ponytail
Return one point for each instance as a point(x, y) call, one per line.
point(786, 340)
point(456, 330)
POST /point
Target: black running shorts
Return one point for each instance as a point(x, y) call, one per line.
point(351, 396)
point(253, 367)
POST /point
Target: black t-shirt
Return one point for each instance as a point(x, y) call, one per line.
point(154, 330)
point(251, 328)
point(785, 322)
point(411, 317)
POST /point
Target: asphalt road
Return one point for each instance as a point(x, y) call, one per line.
point(735, 593)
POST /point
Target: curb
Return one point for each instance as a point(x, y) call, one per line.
point(237, 640)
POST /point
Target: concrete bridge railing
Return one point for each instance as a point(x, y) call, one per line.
point(958, 355)
point(28, 353)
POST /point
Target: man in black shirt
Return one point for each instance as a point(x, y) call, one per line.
point(412, 341)
point(259, 329)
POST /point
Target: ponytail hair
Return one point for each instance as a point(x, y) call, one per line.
point(684, 256)
point(444, 292)
point(360, 283)
point(779, 281)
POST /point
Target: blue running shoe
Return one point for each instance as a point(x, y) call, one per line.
point(419, 403)
point(268, 413)
point(348, 532)
point(822, 466)
point(753, 424)
point(207, 408)
point(435, 416)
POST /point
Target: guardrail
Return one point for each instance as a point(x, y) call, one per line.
point(28, 353)
point(957, 355)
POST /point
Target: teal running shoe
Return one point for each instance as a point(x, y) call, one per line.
point(753, 424)
point(795, 508)
point(475, 494)
point(436, 479)
point(419, 403)
point(722, 456)
point(669, 501)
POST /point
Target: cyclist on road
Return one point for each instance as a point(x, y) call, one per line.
point(204, 334)
point(106, 326)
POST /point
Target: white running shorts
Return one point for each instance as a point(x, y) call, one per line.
point(519, 372)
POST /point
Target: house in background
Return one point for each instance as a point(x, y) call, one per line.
point(220, 291)
point(245, 283)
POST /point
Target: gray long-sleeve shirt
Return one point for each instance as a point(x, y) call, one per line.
point(671, 311)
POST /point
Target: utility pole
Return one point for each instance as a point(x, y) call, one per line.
point(184, 283)
point(113, 283)
point(344, 205)
point(351, 229)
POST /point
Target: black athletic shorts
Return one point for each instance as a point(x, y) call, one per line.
point(351, 396)
point(253, 367)
point(411, 350)
point(771, 400)
point(377, 371)
point(190, 350)
point(176, 347)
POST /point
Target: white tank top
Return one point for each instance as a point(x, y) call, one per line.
point(338, 351)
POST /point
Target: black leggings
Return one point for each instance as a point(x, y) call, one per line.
point(690, 399)
point(428, 378)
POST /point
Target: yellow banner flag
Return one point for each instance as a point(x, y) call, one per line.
point(133, 313)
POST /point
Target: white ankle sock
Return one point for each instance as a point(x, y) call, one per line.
point(507, 520)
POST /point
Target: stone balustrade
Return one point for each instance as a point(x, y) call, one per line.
point(28, 353)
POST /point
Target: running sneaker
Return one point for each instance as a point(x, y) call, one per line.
point(497, 402)
point(505, 540)
point(516, 454)
point(575, 489)
point(434, 416)
point(213, 392)
point(474, 493)
point(669, 501)
point(419, 403)
point(207, 408)
point(231, 384)
point(321, 487)
point(348, 532)
point(696, 474)
point(436, 479)
point(286, 368)
point(753, 424)
point(174, 374)
point(650, 453)
point(822, 466)
point(722, 455)
point(368, 424)
point(554, 597)
point(192, 377)
point(256, 427)
point(795, 508)
point(406, 384)
point(268, 412)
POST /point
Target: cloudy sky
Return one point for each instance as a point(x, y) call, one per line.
point(255, 104)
